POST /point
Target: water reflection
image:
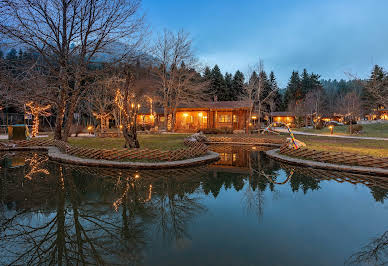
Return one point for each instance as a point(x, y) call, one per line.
point(61, 214)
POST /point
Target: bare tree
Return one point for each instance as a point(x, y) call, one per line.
point(176, 77)
point(69, 36)
point(350, 107)
point(258, 92)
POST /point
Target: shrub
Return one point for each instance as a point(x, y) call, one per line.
point(210, 131)
point(319, 125)
point(223, 130)
point(76, 129)
point(226, 130)
point(355, 129)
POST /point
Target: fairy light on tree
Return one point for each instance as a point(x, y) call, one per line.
point(103, 118)
point(37, 110)
point(128, 98)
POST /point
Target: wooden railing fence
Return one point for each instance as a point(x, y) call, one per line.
point(336, 157)
point(193, 150)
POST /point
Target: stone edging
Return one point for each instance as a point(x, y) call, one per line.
point(338, 167)
point(56, 155)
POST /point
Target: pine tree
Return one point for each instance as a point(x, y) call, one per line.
point(218, 84)
point(11, 55)
point(207, 75)
point(266, 90)
point(375, 93)
point(228, 86)
point(305, 85)
point(292, 90)
point(277, 97)
point(237, 85)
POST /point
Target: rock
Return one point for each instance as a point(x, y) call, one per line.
point(298, 143)
point(197, 137)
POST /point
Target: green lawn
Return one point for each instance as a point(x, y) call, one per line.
point(378, 148)
point(371, 130)
point(161, 142)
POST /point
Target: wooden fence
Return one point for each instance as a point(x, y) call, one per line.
point(336, 157)
point(194, 150)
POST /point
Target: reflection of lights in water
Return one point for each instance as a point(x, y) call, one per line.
point(34, 162)
point(149, 193)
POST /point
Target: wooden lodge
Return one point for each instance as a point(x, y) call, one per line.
point(212, 115)
point(283, 117)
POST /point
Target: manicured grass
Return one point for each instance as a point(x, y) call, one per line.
point(370, 130)
point(161, 142)
point(378, 148)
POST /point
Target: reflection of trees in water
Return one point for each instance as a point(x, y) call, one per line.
point(81, 215)
point(374, 253)
point(377, 184)
point(379, 194)
point(80, 225)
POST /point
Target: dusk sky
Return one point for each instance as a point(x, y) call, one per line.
point(328, 37)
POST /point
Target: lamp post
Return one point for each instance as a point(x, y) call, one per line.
point(331, 127)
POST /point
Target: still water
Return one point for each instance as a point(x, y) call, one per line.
point(243, 210)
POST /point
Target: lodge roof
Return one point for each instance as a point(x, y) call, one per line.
point(282, 114)
point(218, 105)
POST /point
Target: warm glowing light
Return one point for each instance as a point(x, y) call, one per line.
point(121, 126)
point(200, 114)
point(138, 106)
point(185, 114)
point(137, 176)
point(132, 105)
point(35, 163)
point(250, 124)
point(254, 117)
point(90, 128)
point(36, 111)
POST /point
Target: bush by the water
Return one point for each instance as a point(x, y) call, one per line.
point(223, 130)
point(319, 125)
point(355, 129)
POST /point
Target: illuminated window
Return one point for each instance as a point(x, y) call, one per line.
point(234, 157)
point(224, 118)
point(162, 119)
point(235, 118)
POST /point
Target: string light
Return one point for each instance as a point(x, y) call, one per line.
point(36, 111)
point(102, 117)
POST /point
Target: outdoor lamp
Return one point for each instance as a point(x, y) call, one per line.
point(331, 127)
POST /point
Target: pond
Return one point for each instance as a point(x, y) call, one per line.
point(246, 209)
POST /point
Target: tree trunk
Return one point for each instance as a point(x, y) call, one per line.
point(69, 121)
point(59, 122)
point(165, 112)
point(130, 136)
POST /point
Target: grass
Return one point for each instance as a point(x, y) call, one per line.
point(160, 142)
point(377, 148)
point(370, 130)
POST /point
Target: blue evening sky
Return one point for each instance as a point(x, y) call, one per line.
point(328, 37)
